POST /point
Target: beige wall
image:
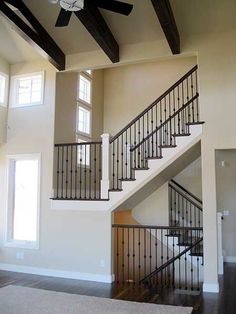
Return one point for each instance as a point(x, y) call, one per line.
point(98, 105)
point(130, 89)
point(65, 110)
point(217, 73)
point(226, 198)
point(191, 178)
point(66, 104)
point(154, 209)
point(4, 68)
point(71, 241)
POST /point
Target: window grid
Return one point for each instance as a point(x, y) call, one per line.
point(27, 90)
point(84, 116)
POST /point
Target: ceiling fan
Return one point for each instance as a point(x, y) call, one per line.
point(70, 6)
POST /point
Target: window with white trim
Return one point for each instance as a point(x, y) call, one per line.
point(23, 201)
point(84, 115)
point(27, 90)
point(3, 89)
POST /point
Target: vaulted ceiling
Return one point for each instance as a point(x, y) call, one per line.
point(142, 25)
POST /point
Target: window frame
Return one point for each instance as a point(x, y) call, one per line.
point(5, 91)
point(85, 105)
point(81, 133)
point(14, 85)
point(8, 238)
point(88, 77)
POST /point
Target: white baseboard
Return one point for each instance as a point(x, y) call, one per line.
point(211, 287)
point(230, 259)
point(56, 273)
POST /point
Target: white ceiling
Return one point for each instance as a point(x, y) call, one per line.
point(141, 25)
point(13, 48)
point(192, 17)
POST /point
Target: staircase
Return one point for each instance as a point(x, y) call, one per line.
point(163, 257)
point(113, 170)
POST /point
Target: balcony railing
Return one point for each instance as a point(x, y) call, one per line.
point(77, 172)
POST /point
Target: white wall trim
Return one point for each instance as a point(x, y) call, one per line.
point(56, 273)
point(230, 259)
point(211, 287)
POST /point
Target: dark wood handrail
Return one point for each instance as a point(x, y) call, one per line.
point(164, 123)
point(157, 227)
point(185, 190)
point(154, 103)
point(172, 260)
point(187, 198)
point(77, 144)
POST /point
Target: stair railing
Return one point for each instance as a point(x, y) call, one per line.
point(185, 209)
point(156, 127)
point(87, 171)
point(159, 256)
point(170, 266)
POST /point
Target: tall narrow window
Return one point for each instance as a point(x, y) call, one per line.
point(84, 88)
point(84, 115)
point(23, 200)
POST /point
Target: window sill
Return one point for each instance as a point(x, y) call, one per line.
point(22, 245)
point(16, 106)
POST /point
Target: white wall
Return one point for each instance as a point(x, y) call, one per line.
point(69, 241)
point(4, 68)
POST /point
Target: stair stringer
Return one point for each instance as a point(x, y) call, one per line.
point(155, 166)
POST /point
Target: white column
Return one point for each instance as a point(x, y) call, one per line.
point(105, 166)
point(220, 250)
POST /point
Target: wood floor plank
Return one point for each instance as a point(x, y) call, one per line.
point(205, 303)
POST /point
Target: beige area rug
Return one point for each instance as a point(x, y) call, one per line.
point(22, 300)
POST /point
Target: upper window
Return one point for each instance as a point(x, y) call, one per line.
point(84, 120)
point(27, 90)
point(3, 89)
point(23, 200)
point(84, 88)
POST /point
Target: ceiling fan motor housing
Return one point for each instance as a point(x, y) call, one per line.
point(72, 5)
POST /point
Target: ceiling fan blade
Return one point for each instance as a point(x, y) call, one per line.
point(63, 18)
point(115, 6)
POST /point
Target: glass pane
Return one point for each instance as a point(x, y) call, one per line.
point(36, 84)
point(84, 89)
point(24, 86)
point(29, 90)
point(84, 120)
point(26, 200)
point(89, 71)
point(23, 98)
point(36, 96)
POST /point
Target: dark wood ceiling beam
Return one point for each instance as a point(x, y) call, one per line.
point(36, 36)
point(94, 22)
point(168, 24)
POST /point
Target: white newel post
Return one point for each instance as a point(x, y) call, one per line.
point(220, 250)
point(105, 165)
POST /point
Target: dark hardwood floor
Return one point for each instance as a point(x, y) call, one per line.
point(206, 303)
